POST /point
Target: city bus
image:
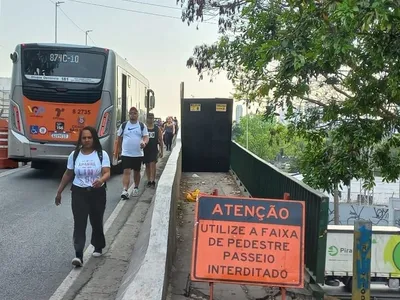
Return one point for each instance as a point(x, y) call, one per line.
point(57, 89)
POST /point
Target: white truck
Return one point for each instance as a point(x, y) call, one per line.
point(385, 255)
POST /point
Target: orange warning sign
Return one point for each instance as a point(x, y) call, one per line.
point(249, 241)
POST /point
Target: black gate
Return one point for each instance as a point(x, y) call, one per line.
point(206, 131)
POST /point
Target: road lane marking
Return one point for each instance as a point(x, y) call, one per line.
point(9, 172)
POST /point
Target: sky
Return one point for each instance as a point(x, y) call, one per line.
point(157, 46)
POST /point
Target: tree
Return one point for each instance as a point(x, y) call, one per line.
point(266, 138)
point(339, 58)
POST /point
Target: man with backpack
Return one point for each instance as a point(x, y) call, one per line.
point(132, 139)
point(153, 150)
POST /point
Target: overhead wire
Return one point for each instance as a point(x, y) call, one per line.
point(128, 10)
point(72, 21)
point(131, 10)
point(152, 4)
point(162, 6)
point(65, 14)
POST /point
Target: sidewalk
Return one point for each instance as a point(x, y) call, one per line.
point(100, 278)
point(207, 182)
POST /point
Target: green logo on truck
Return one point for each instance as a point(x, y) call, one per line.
point(392, 252)
point(333, 251)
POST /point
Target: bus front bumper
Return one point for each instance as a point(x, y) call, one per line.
point(22, 149)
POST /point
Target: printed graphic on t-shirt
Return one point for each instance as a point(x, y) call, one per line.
point(152, 134)
point(87, 171)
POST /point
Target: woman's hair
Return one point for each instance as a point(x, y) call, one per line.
point(96, 140)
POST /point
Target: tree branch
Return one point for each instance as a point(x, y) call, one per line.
point(340, 91)
point(388, 113)
point(313, 101)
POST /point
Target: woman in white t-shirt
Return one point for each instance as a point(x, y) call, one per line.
point(91, 167)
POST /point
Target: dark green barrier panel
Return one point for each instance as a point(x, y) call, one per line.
point(264, 180)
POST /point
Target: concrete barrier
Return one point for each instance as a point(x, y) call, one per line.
point(149, 268)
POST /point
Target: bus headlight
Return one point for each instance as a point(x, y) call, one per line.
point(16, 121)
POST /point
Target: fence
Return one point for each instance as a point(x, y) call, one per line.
point(264, 180)
point(379, 195)
point(4, 103)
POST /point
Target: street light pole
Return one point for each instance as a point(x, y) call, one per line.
point(57, 4)
point(86, 35)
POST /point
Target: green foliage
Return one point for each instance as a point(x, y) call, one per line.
point(341, 58)
point(266, 138)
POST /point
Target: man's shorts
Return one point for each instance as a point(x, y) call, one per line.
point(133, 163)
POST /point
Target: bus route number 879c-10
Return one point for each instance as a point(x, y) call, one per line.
point(64, 58)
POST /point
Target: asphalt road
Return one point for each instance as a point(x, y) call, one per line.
point(36, 236)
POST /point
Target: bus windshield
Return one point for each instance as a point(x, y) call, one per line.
point(63, 65)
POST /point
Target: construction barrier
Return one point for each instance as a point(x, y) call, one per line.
point(5, 163)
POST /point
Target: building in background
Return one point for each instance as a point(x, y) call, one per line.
point(5, 84)
point(239, 112)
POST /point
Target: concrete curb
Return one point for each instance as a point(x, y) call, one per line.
point(147, 278)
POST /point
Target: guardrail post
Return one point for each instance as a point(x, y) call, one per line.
point(362, 260)
point(5, 163)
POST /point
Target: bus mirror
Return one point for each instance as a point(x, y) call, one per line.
point(150, 101)
point(14, 57)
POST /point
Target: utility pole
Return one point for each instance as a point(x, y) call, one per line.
point(336, 215)
point(86, 35)
point(247, 124)
point(57, 4)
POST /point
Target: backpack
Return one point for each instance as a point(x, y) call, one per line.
point(99, 153)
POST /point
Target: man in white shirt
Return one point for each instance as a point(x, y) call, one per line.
point(133, 136)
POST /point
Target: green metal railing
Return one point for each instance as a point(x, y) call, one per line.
point(264, 180)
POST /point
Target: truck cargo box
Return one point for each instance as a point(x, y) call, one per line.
point(385, 251)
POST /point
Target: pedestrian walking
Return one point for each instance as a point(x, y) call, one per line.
point(163, 130)
point(169, 131)
point(91, 167)
point(176, 125)
point(153, 150)
point(132, 139)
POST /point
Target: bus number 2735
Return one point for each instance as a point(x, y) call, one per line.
point(82, 111)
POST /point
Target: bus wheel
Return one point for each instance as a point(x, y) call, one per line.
point(38, 165)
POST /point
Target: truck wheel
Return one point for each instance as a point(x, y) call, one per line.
point(348, 284)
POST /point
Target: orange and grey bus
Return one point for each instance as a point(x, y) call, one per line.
point(58, 89)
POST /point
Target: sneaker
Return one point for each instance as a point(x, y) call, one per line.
point(149, 184)
point(135, 192)
point(125, 195)
point(77, 262)
point(97, 252)
point(153, 184)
